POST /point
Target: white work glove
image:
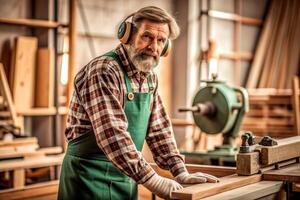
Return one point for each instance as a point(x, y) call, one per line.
point(162, 187)
point(198, 177)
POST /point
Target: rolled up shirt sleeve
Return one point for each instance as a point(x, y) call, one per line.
point(161, 139)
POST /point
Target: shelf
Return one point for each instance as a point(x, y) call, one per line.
point(43, 111)
point(32, 22)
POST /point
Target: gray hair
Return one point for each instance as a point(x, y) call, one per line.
point(158, 15)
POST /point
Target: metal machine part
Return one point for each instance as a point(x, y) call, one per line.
point(218, 108)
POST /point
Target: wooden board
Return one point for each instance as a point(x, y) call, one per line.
point(5, 92)
point(24, 72)
point(18, 142)
point(296, 104)
point(26, 154)
point(44, 90)
point(208, 189)
point(286, 149)
point(249, 192)
point(218, 171)
point(46, 190)
point(288, 173)
point(247, 163)
point(32, 163)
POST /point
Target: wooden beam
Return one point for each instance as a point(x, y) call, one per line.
point(218, 171)
point(31, 22)
point(46, 190)
point(263, 43)
point(252, 191)
point(43, 151)
point(227, 183)
point(5, 92)
point(43, 111)
point(182, 122)
point(247, 163)
point(18, 142)
point(72, 47)
point(296, 104)
point(32, 163)
point(236, 55)
point(288, 173)
point(232, 17)
point(286, 149)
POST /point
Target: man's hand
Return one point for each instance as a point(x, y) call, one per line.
point(198, 177)
point(162, 187)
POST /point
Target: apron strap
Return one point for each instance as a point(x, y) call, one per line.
point(118, 60)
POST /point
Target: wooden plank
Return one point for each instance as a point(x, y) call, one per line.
point(182, 122)
point(232, 17)
point(33, 163)
point(32, 191)
point(19, 178)
point(18, 142)
point(286, 149)
point(288, 173)
point(24, 72)
point(249, 192)
point(31, 22)
point(296, 104)
point(236, 55)
point(5, 91)
point(42, 151)
point(227, 183)
point(272, 122)
point(218, 171)
point(44, 91)
point(269, 51)
point(260, 53)
point(43, 111)
point(296, 187)
point(72, 48)
point(247, 163)
point(294, 48)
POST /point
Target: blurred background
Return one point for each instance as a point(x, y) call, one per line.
point(248, 44)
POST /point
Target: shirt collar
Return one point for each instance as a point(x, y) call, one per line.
point(127, 64)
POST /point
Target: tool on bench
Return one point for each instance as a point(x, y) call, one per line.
point(219, 108)
point(250, 142)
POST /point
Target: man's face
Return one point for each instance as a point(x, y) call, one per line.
point(147, 44)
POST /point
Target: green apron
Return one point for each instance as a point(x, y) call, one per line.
point(87, 173)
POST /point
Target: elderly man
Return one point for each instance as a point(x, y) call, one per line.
point(116, 107)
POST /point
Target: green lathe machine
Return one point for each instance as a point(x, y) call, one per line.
point(218, 108)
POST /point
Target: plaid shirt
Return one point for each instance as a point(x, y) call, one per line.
point(98, 104)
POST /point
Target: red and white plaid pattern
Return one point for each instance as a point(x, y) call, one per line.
point(98, 103)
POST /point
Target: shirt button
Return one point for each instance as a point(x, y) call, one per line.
point(130, 96)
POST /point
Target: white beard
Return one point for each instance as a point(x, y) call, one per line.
point(141, 61)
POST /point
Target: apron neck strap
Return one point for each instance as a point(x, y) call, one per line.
point(118, 60)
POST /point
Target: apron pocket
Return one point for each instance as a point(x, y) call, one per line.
point(122, 190)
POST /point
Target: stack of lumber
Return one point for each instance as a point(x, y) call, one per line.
point(31, 77)
point(277, 55)
point(270, 113)
point(21, 160)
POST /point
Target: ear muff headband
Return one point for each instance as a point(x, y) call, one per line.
point(125, 30)
point(167, 48)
